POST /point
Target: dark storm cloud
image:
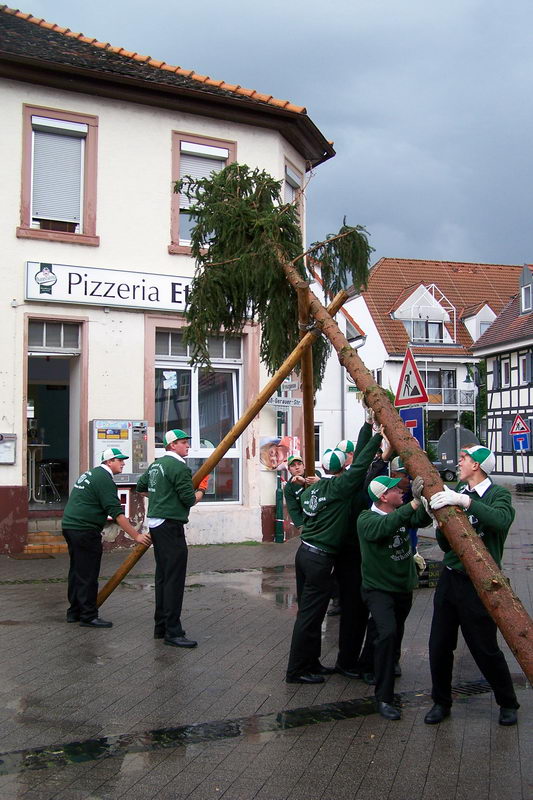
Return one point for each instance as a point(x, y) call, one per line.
point(428, 103)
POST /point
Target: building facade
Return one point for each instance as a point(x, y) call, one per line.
point(96, 267)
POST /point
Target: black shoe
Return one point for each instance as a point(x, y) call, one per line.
point(388, 711)
point(348, 673)
point(436, 714)
point(95, 623)
point(73, 618)
point(508, 716)
point(397, 670)
point(180, 641)
point(369, 678)
point(306, 677)
point(320, 669)
point(159, 634)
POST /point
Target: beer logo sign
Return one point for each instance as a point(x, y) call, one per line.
point(45, 279)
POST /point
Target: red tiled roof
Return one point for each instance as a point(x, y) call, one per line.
point(508, 328)
point(392, 280)
point(205, 80)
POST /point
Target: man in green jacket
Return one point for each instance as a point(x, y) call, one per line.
point(294, 488)
point(168, 483)
point(92, 500)
point(389, 575)
point(456, 603)
point(327, 508)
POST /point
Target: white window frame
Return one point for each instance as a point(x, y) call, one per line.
point(526, 297)
point(505, 373)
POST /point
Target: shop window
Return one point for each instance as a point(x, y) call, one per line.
point(59, 176)
point(203, 402)
point(195, 157)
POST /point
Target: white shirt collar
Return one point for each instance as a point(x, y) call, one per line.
point(378, 510)
point(480, 488)
point(108, 469)
point(174, 455)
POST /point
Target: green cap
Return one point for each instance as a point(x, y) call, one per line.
point(346, 446)
point(483, 456)
point(333, 460)
point(397, 465)
point(292, 459)
point(174, 435)
point(112, 452)
point(379, 486)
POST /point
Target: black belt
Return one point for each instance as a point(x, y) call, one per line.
point(316, 550)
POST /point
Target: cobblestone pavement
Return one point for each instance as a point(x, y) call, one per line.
point(113, 713)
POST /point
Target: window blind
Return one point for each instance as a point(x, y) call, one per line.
point(57, 176)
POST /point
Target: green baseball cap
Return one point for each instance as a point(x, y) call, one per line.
point(292, 459)
point(379, 486)
point(112, 452)
point(483, 456)
point(174, 436)
point(397, 465)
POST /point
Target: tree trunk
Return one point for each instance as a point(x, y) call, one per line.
point(307, 385)
point(491, 585)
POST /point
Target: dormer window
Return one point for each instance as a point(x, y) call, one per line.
point(526, 298)
point(422, 330)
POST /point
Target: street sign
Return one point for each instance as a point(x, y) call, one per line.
point(411, 389)
point(285, 402)
point(521, 442)
point(413, 419)
point(519, 426)
point(288, 386)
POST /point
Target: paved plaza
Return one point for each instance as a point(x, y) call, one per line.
point(101, 714)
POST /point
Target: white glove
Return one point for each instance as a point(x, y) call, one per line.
point(369, 416)
point(449, 498)
point(419, 561)
point(417, 487)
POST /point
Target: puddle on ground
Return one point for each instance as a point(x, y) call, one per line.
point(184, 736)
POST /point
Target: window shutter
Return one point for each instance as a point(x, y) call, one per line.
point(57, 176)
point(496, 382)
point(507, 441)
point(529, 365)
point(197, 167)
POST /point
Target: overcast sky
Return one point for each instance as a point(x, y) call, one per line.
point(428, 102)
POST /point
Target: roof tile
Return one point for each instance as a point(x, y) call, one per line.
point(392, 280)
point(205, 80)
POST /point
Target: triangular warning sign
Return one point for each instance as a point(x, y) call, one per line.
point(519, 426)
point(411, 389)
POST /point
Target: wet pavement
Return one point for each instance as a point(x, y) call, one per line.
point(113, 713)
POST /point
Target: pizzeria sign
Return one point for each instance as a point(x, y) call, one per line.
point(63, 283)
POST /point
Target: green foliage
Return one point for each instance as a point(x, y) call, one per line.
point(243, 233)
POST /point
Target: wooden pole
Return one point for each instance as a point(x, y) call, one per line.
point(491, 585)
point(253, 409)
point(308, 392)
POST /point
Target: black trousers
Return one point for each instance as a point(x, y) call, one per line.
point(170, 552)
point(354, 611)
point(313, 586)
point(457, 605)
point(85, 551)
point(389, 611)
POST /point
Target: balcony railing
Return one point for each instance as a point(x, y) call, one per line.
point(444, 396)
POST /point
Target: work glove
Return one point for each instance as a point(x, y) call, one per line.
point(203, 483)
point(416, 488)
point(369, 416)
point(419, 561)
point(449, 498)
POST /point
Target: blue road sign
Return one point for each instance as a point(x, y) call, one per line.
point(413, 419)
point(520, 441)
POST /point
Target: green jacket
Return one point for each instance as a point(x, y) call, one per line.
point(168, 481)
point(92, 500)
point(293, 492)
point(386, 555)
point(491, 516)
point(327, 504)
